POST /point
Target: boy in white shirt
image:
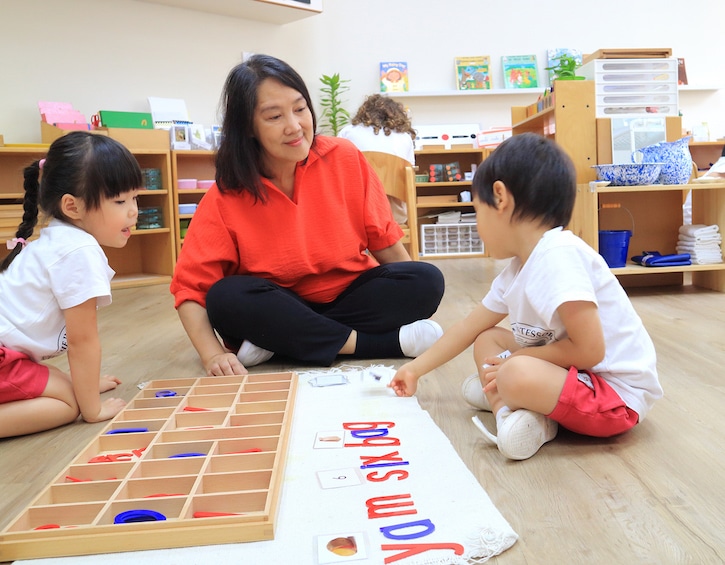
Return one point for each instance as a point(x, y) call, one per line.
point(579, 353)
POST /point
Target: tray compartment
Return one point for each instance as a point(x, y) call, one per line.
point(211, 401)
point(150, 425)
point(122, 447)
point(259, 407)
point(144, 414)
point(95, 472)
point(248, 445)
point(62, 514)
point(256, 419)
point(168, 467)
point(216, 389)
point(230, 482)
point(232, 503)
point(151, 488)
point(155, 402)
point(191, 420)
point(241, 462)
point(266, 386)
point(69, 493)
point(269, 377)
point(175, 450)
point(152, 392)
point(170, 507)
point(227, 380)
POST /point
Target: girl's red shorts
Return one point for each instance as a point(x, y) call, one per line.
point(21, 378)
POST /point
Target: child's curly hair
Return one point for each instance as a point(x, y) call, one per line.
point(380, 112)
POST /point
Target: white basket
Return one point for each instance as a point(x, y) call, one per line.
point(449, 239)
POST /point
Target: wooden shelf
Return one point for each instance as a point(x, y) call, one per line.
point(706, 153)
point(453, 93)
point(189, 164)
point(639, 270)
point(269, 11)
point(466, 156)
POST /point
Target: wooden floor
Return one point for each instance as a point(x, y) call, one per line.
point(653, 496)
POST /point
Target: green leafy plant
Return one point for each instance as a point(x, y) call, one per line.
point(334, 117)
point(565, 69)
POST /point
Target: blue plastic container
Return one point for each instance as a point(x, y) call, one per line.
point(614, 246)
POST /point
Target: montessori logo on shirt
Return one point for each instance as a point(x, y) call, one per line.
point(528, 336)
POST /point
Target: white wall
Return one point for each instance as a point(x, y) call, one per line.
point(113, 54)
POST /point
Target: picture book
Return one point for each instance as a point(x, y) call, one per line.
point(520, 71)
point(473, 73)
point(681, 71)
point(393, 77)
point(555, 53)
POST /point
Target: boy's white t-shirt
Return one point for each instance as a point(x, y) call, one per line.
point(63, 268)
point(563, 268)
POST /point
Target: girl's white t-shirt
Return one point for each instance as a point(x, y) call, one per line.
point(63, 268)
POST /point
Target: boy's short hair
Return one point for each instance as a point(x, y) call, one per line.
point(537, 172)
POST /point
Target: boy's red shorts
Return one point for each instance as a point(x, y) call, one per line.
point(588, 405)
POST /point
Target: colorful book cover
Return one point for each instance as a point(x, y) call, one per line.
point(555, 53)
point(393, 77)
point(473, 73)
point(520, 71)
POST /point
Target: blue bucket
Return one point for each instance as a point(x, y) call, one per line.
point(614, 246)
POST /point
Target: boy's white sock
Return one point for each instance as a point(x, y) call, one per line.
point(501, 415)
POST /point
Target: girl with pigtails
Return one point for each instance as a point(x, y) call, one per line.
point(86, 189)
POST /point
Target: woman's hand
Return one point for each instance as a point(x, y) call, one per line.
point(224, 364)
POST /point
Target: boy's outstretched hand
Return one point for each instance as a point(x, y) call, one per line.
point(404, 382)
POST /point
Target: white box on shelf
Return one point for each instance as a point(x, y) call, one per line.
point(449, 239)
point(447, 135)
point(493, 137)
point(633, 86)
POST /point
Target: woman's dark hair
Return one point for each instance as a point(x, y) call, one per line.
point(239, 157)
point(88, 166)
point(381, 112)
point(537, 172)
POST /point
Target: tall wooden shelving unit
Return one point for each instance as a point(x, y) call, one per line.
point(656, 210)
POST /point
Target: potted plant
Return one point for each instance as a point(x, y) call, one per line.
point(334, 117)
point(565, 69)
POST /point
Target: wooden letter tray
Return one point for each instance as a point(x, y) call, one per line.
point(204, 457)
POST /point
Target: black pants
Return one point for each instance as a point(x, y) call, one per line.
point(381, 300)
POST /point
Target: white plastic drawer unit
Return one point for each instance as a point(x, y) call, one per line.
point(634, 86)
point(450, 239)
